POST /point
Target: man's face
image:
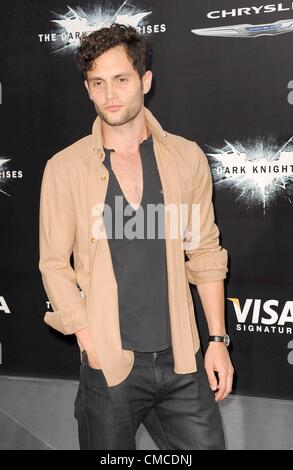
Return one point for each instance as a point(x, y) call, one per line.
point(116, 88)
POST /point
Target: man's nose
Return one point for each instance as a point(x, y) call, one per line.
point(110, 91)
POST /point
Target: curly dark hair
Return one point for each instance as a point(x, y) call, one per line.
point(100, 41)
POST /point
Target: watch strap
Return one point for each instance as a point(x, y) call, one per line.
point(216, 338)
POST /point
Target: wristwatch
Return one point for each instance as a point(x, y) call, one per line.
point(221, 339)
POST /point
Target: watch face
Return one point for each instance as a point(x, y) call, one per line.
point(226, 340)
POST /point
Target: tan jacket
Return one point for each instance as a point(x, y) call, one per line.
point(73, 191)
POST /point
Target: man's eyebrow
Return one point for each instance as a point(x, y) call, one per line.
point(92, 79)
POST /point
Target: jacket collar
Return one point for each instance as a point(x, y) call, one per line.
point(153, 126)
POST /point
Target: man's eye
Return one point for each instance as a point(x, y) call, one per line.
point(97, 83)
point(122, 80)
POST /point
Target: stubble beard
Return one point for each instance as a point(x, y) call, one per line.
point(128, 114)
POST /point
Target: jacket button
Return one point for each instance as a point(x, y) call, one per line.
point(93, 240)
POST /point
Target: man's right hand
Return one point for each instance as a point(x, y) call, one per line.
point(85, 342)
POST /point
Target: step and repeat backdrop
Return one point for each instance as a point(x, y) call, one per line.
point(223, 76)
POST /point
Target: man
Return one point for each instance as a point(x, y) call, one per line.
point(127, 298)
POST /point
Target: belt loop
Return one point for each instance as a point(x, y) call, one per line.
point(83, 356)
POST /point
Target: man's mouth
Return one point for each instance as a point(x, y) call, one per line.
point(113, 108)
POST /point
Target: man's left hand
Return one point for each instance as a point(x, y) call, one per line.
point(217, 359)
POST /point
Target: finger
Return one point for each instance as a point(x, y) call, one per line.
point(229, 382)
point(228, 390)
point(212, 378)
point(222, 384)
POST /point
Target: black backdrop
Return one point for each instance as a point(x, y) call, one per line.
point(230, 94)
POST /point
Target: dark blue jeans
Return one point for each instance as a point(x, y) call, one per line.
point(178, 410)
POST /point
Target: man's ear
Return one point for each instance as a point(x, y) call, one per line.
point(147, 81)
point(88, 90)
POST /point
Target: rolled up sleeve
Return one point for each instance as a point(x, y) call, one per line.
point(208, 261)
point(57, 231)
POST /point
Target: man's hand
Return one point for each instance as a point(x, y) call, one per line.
point(85, 343)
point(217, 359)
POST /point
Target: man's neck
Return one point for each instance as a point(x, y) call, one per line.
point(126, 139)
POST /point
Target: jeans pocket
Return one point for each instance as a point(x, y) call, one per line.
point(91, 378)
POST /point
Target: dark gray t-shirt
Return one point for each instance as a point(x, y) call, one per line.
point(139, 261)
